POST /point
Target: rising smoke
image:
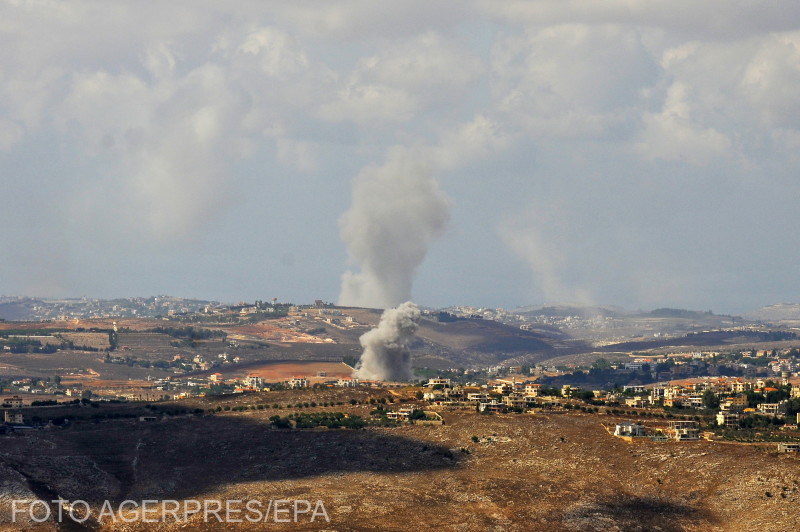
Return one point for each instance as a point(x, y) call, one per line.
point(386, 356)
point(397, 210)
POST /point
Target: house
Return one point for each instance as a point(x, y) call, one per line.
point(491, 406)
point(13, 417)
point(628, 429)
point(433, 395)
point(477, 397)
point(674, 401)
point(517, 400)
point(254, 381)
point(728, 419)
point(13, 402)
point(403, 414)
point(773, 409)
point(635, 402)
point(215, 377)
point(739, 386)
point(634, 388)
point(734, 404)
point(297, 382)
point(789, 447)
point(684, 430)
point(347, 383)
point(503, 387)
point(532, 389)
point(444, 383)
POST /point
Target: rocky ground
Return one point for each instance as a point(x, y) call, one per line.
point(525, 472)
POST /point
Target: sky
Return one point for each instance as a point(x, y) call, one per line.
point(636, 153)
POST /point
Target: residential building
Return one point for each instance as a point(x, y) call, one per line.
point(254, 381)
point(628, 429)
point(403, 414)
point(347, 383)
point(13, 417)
point(773, 409)
point(298, 382)
point(517, 400)
point(684, 430)
point(13, 402)
point(477, 396)
point(491, 406)
point(532, 389)
point(729, 420)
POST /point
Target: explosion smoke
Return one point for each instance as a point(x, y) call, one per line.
point(386, 356)
point(397, 210)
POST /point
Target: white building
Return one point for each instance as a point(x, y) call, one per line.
point(297, 382)
point(626, 428)
point(254, 381)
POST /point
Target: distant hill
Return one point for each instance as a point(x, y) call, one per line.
point(463, 341)
point(779, 312)
point(17, 310)
point(677, 313)
point(563, 311)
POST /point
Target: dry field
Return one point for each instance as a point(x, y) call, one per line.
point(269, 331)
point(281, 371)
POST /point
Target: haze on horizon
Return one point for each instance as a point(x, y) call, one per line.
point(642, 154)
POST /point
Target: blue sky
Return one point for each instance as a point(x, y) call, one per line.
point(642, 154)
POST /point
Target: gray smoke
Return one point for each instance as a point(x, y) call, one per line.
point(397, 210)
point(386, 356)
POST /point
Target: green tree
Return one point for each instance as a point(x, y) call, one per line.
point(710, 400)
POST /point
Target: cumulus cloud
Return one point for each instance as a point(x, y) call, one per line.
point(566, 80)
point(672, 135)
point(153, 121)
point(404, 80)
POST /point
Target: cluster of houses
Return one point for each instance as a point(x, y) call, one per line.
point(513, 394)
point(504, 395)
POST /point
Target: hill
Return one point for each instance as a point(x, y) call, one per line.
point(518, 473)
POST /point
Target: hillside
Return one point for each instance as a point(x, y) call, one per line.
point(525, 473)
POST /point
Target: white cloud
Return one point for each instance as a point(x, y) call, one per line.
point(469, 142)
point(367, 103)
point(572, 80)
point(277, 53)
point(671, 134)
point(10, 133)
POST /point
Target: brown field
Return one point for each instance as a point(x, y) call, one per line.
point(89, 339)
point(268, 331)
point(281, 371)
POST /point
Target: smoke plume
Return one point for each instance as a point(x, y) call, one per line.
point(397, 210)
point(386, 356)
